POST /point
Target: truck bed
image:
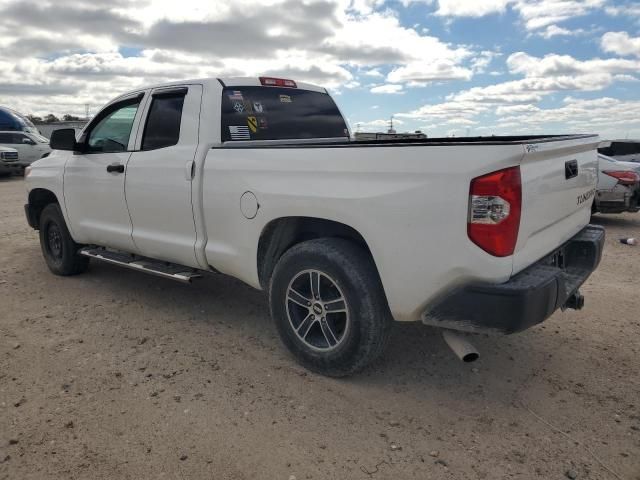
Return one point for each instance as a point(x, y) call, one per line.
point(439, 141)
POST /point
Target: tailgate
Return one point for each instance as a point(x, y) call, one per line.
point(559, 179)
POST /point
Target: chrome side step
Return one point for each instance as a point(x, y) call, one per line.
point(142, 264)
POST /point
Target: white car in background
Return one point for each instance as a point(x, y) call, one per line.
point(618, 186)
point(8, 161)
point(30, 146)
point(621, 150)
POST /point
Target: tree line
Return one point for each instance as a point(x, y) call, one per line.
point(51, 118)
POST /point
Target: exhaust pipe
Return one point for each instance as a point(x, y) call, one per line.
point(463, 349)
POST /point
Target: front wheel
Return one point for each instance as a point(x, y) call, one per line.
point(329, 306)
point(58, 248)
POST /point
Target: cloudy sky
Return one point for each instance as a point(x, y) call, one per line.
point(447, 67)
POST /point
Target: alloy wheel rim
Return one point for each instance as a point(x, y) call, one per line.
point(317, 310)
point(54, 240)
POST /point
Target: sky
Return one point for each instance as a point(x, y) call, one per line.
point(445, 67)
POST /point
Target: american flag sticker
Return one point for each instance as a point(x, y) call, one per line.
point(239, 132)
point(236, 95)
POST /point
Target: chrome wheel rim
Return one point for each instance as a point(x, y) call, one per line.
point(317, 310)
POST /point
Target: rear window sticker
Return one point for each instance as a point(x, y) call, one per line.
point(239, 132)
point(235, 95)
point(257, 106)
point(285, 99)
point(252, 123)
point(247, 106)
point(238, 106)
point(262, 122)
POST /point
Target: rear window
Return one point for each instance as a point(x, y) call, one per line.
point(273, 113)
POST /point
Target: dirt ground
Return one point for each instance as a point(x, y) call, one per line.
point(117, 375)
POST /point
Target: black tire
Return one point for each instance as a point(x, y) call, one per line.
point(346, 271)
point(58, 248)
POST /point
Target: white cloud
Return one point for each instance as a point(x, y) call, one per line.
point(388, 88)
point(535, 14)
point(471, 8)
point(627, 10)
point(428, 71)
point(620, 43)
point(377, 124)
point(541, 13)
point(445, 111)
point(374, 72)
point(514, 101)
point(482, 60)
point(559, 65)
point(68, 51)
point(556, 31)
point(609, 116)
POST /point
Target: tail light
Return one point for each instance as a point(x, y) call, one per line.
point(277, 82)
point(494, 211)
point(624, 177)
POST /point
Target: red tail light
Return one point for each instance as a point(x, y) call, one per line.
point(624, 177)
point(277, 82)
point(495, 202)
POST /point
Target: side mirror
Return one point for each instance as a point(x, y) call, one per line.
point(63, 139)
point(28, 141)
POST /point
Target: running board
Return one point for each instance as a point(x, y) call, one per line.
point(142, 264)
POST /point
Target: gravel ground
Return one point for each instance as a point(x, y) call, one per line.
point(115, 374)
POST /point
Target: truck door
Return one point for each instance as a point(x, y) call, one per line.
point(160, 172)
point(94, 179)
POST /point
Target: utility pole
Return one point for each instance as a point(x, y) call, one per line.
point(391, 130)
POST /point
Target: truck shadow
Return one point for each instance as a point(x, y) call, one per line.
point(417, 362)
point(11, 178)
point(620, 220)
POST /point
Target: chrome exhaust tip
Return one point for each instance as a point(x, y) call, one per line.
point(463, 349)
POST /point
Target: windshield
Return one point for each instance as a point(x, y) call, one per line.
point(38, 138)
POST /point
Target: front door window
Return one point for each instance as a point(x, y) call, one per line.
point(111, 134)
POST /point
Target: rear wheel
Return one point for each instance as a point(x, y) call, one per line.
point(329, 306)
point(58, 248)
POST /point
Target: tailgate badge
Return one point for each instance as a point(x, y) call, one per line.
point(571, 169)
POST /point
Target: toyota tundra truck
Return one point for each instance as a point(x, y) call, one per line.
point(257, 178)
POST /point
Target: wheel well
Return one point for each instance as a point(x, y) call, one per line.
point(281, 234)
point(38, 199)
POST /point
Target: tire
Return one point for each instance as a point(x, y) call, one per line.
point(326, 335)
point(58, 248)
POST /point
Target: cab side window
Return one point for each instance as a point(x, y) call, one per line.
point(20, 138)
point(6, 138)
point(111, 133)
point(163, 121)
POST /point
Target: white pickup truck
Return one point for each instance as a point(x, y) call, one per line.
point(257, 178)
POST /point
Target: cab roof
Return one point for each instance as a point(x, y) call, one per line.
point(225, 82)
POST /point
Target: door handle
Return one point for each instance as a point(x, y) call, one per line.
point(189, 170)
point(115, 167)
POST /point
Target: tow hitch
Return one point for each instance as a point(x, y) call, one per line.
point(574, 302)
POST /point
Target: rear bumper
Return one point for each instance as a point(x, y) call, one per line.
point(528, 298)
